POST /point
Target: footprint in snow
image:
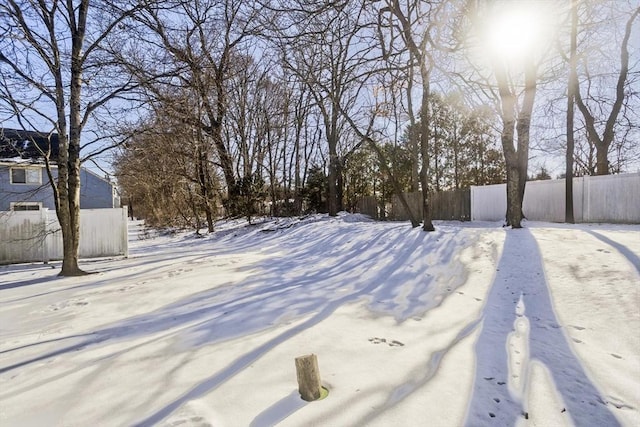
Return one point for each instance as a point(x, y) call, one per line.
point(391, 343)
point(66, 304)
point(611, 400)
point(193, 421)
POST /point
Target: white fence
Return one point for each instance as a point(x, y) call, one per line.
point(33, 236)
point(609, 198)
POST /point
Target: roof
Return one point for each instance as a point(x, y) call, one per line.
point(25, 144)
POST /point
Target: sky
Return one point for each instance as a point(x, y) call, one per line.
point(512, 32)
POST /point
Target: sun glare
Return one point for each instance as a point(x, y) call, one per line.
point(517, 29)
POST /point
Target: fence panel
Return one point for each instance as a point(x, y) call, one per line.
point(103, 232)
point(368, 205)
point(445, 205)
point(22, 236)
point(36, 236)
point(610, 198)
point(451, 205)
point(488, 203)
point(399, 213)
point(544, 200)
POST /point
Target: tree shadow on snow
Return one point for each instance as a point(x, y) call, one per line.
point(322, 276)
point(520, 290)
point(633, 258)
point(310, 281)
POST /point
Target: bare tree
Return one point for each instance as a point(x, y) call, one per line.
point(571, 95)
point(328, 49)
point(414, 23)
point(601, 131)
point(196, 47)
point(510, 81)
point(54, 74)
point(165, 169)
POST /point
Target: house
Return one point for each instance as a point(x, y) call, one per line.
point(24, 182)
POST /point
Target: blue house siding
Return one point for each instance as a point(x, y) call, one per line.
point(95, 192)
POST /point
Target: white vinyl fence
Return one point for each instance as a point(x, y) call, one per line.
point(33, 236)
point(608, 198)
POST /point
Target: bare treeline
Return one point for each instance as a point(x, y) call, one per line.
point(238, 108)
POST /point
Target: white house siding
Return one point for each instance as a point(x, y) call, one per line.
point(609, 198)
point(36, 236)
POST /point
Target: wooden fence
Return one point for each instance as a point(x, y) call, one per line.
point(368, 205)
point(35, 236)
point(446, 205)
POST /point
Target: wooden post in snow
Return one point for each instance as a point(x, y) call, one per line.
point(308, 377)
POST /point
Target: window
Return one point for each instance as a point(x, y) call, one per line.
point(26, 176)
point(26, 206)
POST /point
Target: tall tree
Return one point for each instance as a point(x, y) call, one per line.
point(195, 47)
point(327, 48)
point(601, 131)
point(512, 42)
point(55, 74)
point(515, 135)
point(414, 23)
point(571, 95)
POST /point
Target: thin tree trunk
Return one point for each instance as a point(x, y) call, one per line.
point(427, 225)
point(332, 138)
point(568, 211)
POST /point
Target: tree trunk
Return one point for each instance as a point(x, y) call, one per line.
point(602, 160)
point(568, 210)
point(516, 159)
point(332, 203)
point(514, 198)
point(69, 216)
point(332, 140)
point(413, 141)
point(204, 184)
point(340, 185)
point(427, 225)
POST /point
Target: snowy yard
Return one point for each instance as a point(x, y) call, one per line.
point(470, 325)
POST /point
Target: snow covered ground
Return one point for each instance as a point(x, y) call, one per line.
point(470, 325)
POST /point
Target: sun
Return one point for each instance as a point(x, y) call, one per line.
point(516, 29)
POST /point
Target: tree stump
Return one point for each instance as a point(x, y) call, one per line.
point(308, 377)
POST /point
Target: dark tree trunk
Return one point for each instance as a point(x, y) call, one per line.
point(568, 211)
point(205, 186)
point(427, 225)
point(340, 185)
point(69, 215)
point(516, 122)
